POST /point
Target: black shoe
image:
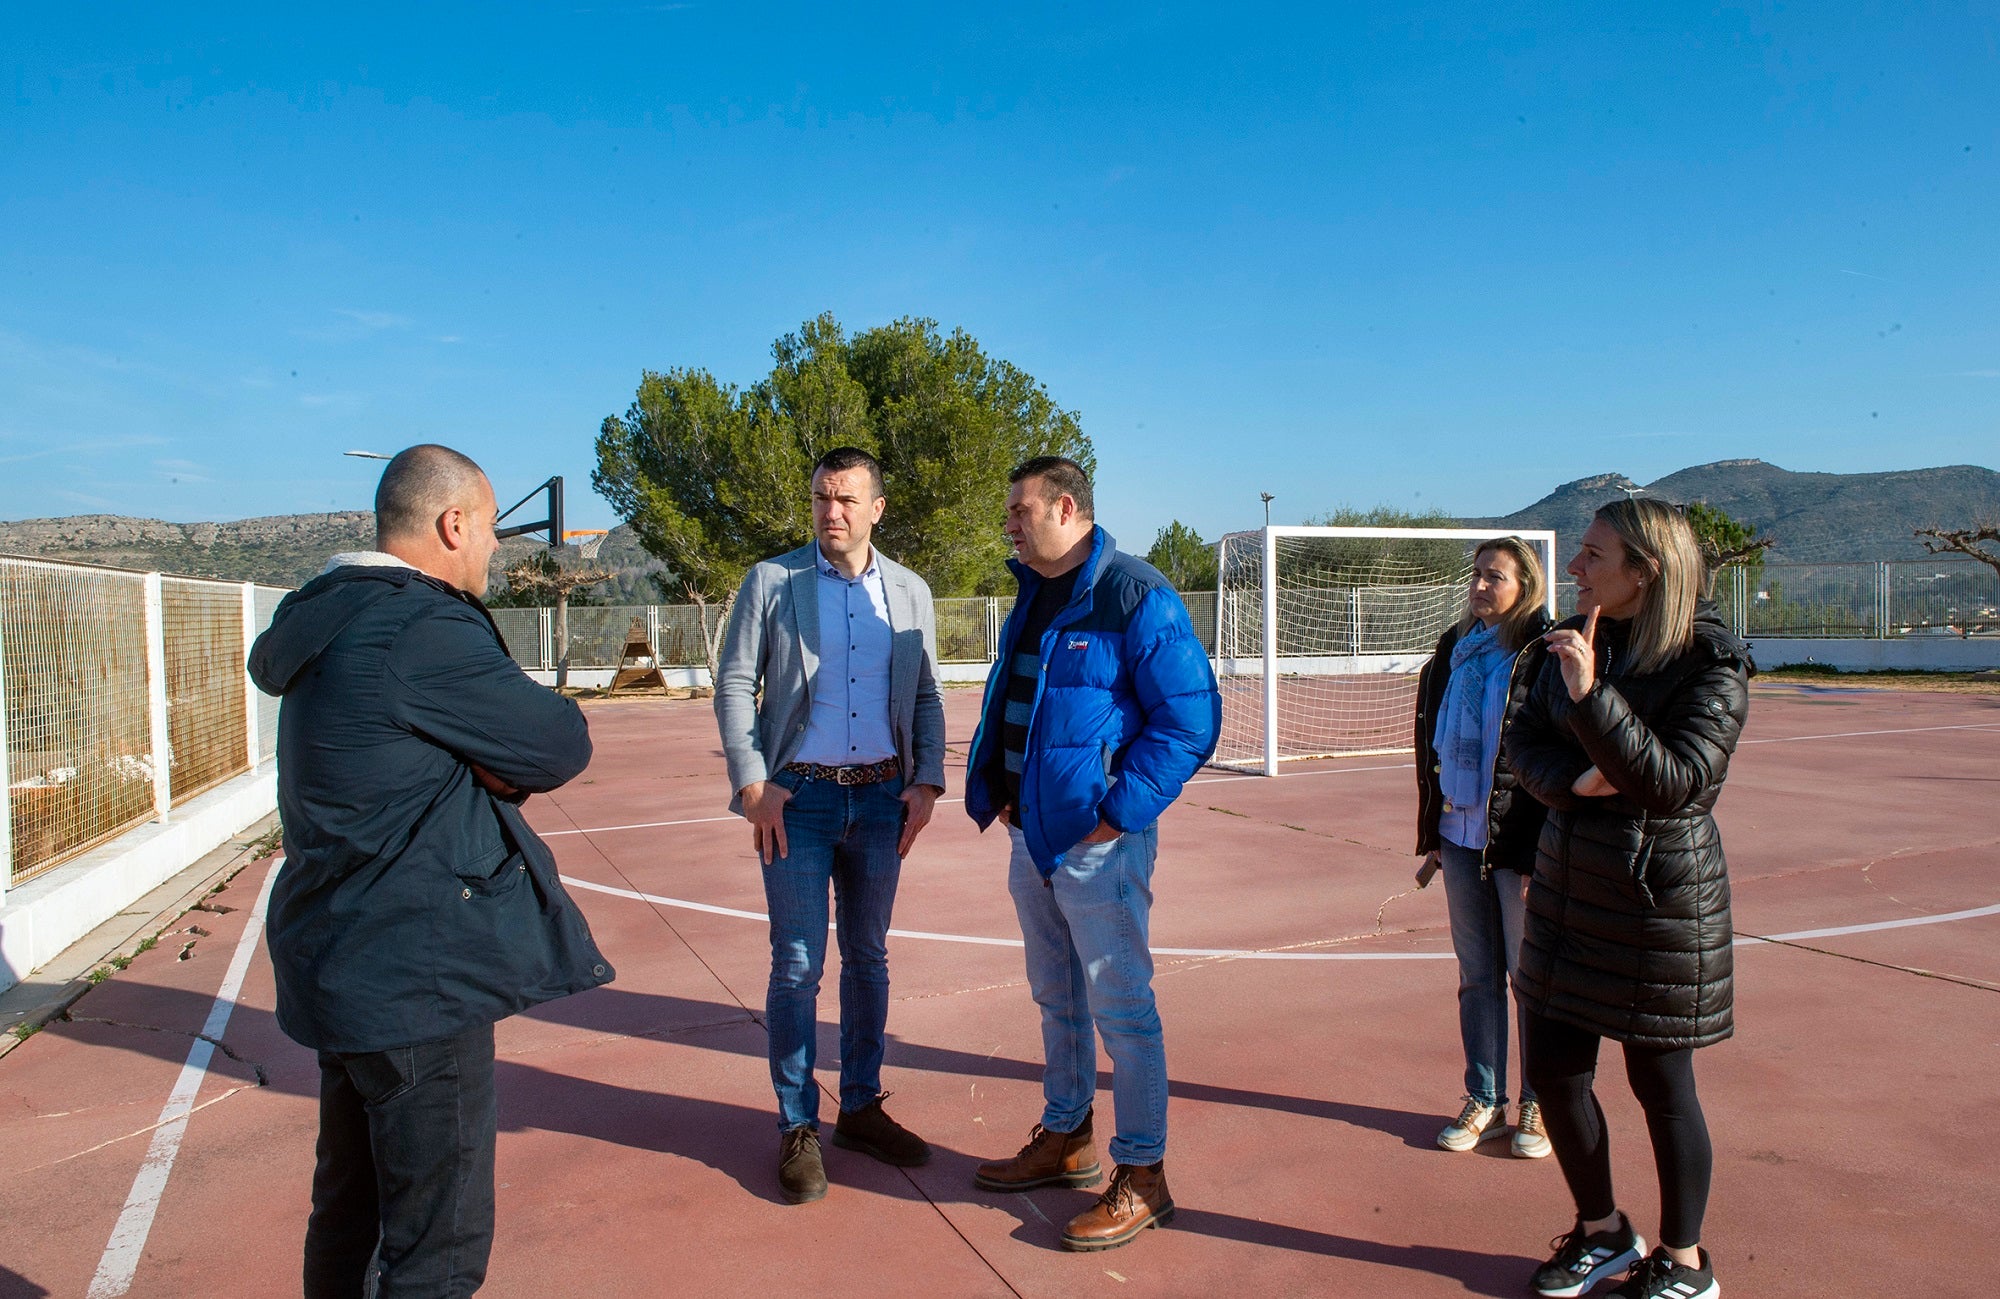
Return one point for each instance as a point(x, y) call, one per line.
point(1657, 1276)
point(801, 1171)
point(1583, 1259)
point(873, 1132)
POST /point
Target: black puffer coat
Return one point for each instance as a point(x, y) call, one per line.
point(1513, 820)
point(1628, 930)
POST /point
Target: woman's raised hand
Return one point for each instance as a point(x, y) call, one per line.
point(1577, 652)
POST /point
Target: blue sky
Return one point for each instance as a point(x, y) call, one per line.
point(1441, 256)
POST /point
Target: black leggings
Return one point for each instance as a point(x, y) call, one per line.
point(1561, 1064)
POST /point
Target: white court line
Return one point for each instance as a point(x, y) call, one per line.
point(128, 1239)
point(1848, 735)
point(1212, 780)
point(1840, 930)
point(1323, 771)
point(1239, 954)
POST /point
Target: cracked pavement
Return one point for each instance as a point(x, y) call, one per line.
point(637, 1141)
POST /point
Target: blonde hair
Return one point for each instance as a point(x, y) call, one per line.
point(1661, 550)
point(1512, 631)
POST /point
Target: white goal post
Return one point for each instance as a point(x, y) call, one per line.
point(1320, 634)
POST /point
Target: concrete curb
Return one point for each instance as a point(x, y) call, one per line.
point(34, 1003)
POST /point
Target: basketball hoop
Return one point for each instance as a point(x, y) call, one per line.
point(586, 540)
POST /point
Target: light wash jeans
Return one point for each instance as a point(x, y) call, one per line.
point(1090, 967)
point(1486, 933)
point(844, 835)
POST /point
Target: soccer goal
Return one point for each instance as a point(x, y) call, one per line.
point(1320, 634)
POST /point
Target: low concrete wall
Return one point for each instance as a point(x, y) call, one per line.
point(44, 916)
point(1908, 654)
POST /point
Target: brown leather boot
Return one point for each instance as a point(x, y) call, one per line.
point(801, 1169)
point(1136, 1199)
point(1049, 1159)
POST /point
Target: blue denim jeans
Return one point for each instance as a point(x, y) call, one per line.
point(403, 1186)
point(1090, 966)
point(1486, 919)
point(843, 835)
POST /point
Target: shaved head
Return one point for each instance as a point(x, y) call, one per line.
point(421, 483)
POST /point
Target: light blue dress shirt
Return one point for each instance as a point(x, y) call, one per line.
point(850, 706)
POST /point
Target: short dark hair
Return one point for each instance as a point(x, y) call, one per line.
point(1060, 476)
point(420, 483)
point(841, 459)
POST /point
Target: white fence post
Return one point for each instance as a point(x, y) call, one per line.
point(1270, 652)
point(1221, 567)
point(545, 634)
point(156, 698)
point(1881, 600)
point(250, 720)
point(6, 783)
point(653, 631)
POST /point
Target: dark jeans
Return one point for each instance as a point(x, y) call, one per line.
point(1562, 1064)
point(1486, 916)
point(844, 836)
point(405, 1171)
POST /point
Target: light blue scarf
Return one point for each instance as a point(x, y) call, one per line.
point(1468, 733)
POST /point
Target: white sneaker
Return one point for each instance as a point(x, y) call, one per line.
point(1531, 1139)
point(1474, 1124)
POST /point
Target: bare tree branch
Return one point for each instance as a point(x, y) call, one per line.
point(1963, 541)
point(551, 580)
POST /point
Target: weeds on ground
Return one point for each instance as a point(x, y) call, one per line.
point(23, 1031)
point(267, 843)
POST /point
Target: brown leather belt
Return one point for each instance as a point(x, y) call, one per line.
point(873, 773)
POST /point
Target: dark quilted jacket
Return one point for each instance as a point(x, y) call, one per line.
point(1513, 820)
point(413, 904)
point(1628, 930)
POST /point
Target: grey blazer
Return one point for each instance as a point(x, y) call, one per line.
point(773, 644)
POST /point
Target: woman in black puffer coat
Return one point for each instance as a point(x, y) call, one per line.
point(1626, 737)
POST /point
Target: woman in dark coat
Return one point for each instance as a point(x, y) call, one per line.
point(1475, 826)
point(1626, 737)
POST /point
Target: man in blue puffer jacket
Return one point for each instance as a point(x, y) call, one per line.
point(1100, 707)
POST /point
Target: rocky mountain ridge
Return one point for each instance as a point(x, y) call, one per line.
point(1814, 517)
point(1817, 517)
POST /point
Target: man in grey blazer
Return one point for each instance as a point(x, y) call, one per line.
point(836, 766)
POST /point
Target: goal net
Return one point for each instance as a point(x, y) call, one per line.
point(1320, 634)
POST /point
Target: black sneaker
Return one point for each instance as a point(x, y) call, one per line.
point(873, 1132)
point(1657, 1276)
point(1583, 1259)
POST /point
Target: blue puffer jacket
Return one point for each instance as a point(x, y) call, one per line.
point(1125, 712)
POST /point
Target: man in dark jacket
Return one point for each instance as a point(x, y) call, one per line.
point(1100, 707)
point(415, 907)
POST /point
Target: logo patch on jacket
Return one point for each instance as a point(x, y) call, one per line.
point(1077, 642)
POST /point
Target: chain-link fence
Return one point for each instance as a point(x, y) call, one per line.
point(1872, 599)
point(123, 695)
point(968, 631)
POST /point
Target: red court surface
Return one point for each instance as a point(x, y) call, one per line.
point(1313, 1050)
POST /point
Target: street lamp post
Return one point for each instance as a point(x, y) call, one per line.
point(1268, 498)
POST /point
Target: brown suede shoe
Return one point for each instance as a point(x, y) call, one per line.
point(801, 1171)
point(873, 1132)
point(1049, 1159)
point(1136, 1199)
